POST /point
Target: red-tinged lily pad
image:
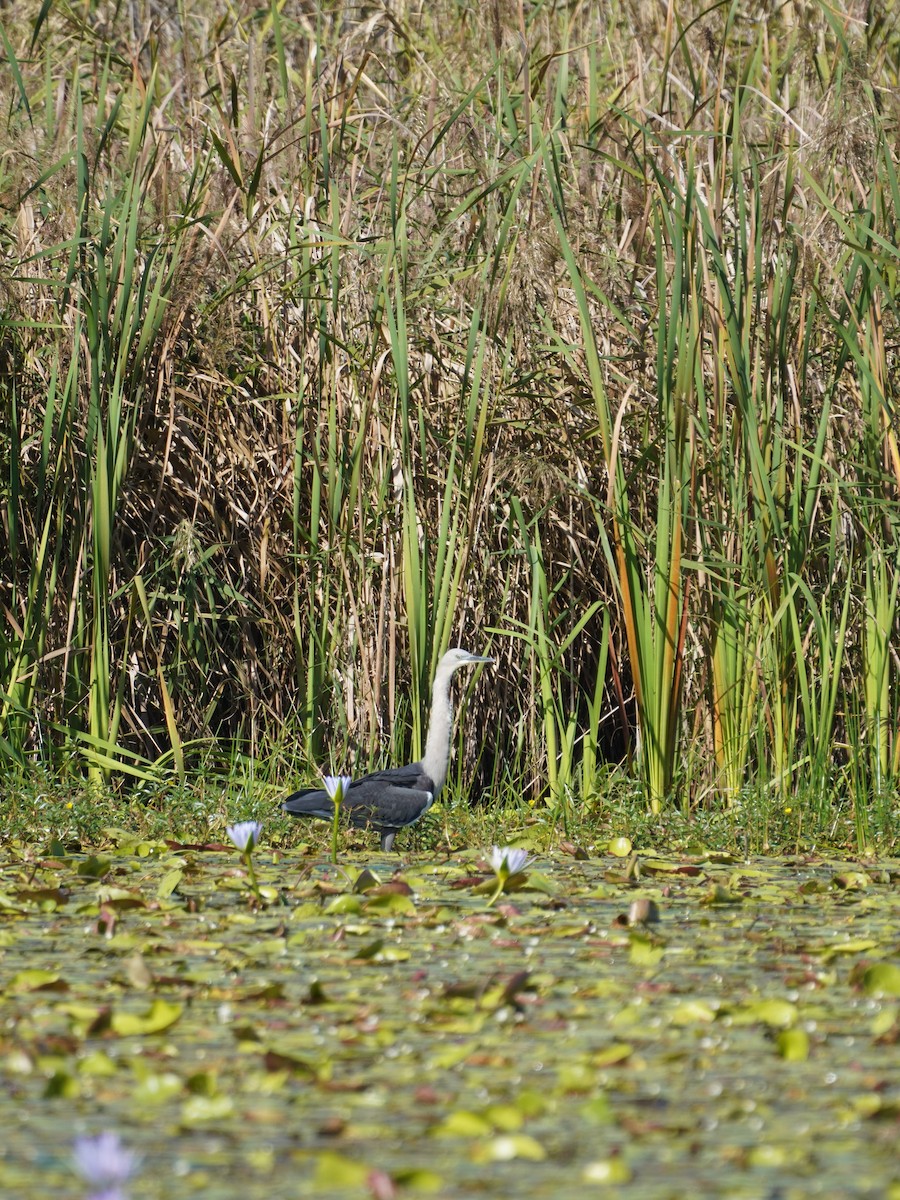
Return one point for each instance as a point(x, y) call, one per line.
point(575, 851)
point(613, 1055)
point(46, 899)
point(398, 887)
point(419, 1180)
point(62, 1085)
point(35, 979)
point(277, 1060)
point(851, 880)
point(365, 881)
point(719, 896)
point(662, 866)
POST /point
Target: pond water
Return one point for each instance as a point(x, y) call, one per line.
point(396, 1035)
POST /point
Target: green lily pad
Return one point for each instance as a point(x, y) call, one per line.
point(882, 979)
point(160, 1015)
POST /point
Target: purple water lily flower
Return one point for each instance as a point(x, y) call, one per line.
point(104, 1164)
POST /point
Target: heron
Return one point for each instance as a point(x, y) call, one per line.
point(390, 800)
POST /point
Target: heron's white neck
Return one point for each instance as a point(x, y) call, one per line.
point(440, 728)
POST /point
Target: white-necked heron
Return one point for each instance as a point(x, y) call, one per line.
point(391, 799)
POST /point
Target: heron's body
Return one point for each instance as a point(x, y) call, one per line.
point(391, 799)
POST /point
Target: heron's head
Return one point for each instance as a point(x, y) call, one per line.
point(457, 657)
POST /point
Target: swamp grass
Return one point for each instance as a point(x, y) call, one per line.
point(330, 337)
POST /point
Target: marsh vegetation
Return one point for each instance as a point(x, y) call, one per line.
point(332, 336)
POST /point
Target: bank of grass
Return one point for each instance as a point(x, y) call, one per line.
point(43, 817)
point(331, 337)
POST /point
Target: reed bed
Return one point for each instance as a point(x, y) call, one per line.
point(332, 336)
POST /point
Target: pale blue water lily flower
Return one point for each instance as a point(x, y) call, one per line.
point(508, 860)
point(337, 787)
point(104, 1164)
point(245, 835)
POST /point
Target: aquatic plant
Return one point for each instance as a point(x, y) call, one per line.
point(245, 835)
point(104, 1164)
point(336, 786)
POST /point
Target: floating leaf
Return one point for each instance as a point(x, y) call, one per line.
point(463, 1124)
point(337, 1171)
point(44, 899)
point(197, 1110)
point(620, 847)
point(597, 1111)
point(645, 951)
point(419, 1180)
point(776, 1013)
point(35, 979)
point(606, 1170)
point(280, 1060)
point(97, 1064)
point(851, 946)
point(168, 884)
point(340, 905)
point(505, 1117)
point(371, 950)
point(94, 867)
point(610, 1056)
point(365, 880)
point(692, 1012)
point(576, 1077)
point(719, 895)
point(882, 979)
point(793, 1045)
point(158, 1017)
point(767, 1155)
point(851, 881)
point(157, 1088)
point(62, 1086)
point(509, 1146)
point(390, 903)
point(663, 866)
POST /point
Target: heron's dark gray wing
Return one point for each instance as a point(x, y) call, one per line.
point(410, 776)
point(310, 802)
point(384, 804)
point(384, 800)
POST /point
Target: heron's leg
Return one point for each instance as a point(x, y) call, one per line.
point(387, 839)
